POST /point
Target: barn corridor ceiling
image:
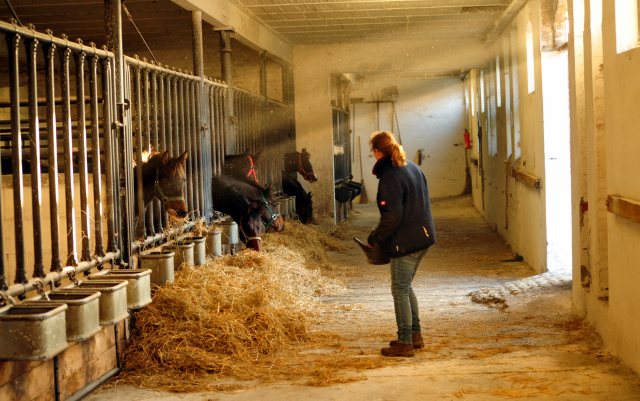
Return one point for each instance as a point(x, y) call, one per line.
point(339, 21)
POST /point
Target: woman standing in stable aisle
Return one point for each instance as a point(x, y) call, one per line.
point(405, 233)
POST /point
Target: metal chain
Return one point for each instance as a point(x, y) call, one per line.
point(40, 289)
point(72, 277)
point(6, 298)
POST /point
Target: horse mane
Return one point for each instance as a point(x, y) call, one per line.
point(150, 167)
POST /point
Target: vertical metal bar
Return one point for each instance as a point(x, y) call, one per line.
point(155, 143)
point(165, 99)
point(185, 133)
point(229, 113)
point(215, 133)
point(81, 131)
point(95, 155)
point(34, 147)
point(113, 29)
point(52, 150)
point(141, 232)
point(108, 96)
point(13, 42)
point(195, 149)
point(168, 142)
point(145, 107)
point(266, 143)
point(177, 127)
point(69, 189)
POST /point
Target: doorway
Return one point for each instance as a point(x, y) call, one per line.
point(555, 92)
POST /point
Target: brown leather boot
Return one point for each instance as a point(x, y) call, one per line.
point(398, 349)
point(416, 338)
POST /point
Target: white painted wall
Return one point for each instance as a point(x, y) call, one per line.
point(312, 66)
point(430, 115)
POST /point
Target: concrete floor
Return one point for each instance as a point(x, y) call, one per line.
point(535, 348)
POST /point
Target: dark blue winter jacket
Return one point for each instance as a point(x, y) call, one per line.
point(406, 225)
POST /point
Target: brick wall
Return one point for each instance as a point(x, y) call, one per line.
point(553, 24)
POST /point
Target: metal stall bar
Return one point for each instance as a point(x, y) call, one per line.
point(137, 96)
point(196, 172)
point(13, 42)
point(175, 149)
point(167, 116)
point(155, 142)
point(109, 146)
point(186, 138)
point(145, 111)
point(68, 157)
point(168, 143)
point(95, 154)
point(213, 123)
point(52, 148)
point(81, 134)
point(34, 146)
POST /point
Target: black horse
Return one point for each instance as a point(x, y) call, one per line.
point(242, 166)
point(246, 213)
point(254, 192)
point(300, 162)
point(304, 203)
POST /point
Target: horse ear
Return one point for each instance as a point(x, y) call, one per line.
point(257, 155)
point(246, 152)
point(183, 158)
point(165, 157)
point(304, 150)
point(310, 195)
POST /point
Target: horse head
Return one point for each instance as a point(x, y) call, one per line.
point(270, 211)
point(304, 166)
point(251, 226)
point(170, 182)
point(243, 166)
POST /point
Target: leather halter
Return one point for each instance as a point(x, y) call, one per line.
point(166, 199)
point(301, 169)
point(253, 170)
point(274, 216)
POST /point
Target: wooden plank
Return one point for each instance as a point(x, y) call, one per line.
point(624, 207)
point(77, 356)
point(34, 384)
point(91, 371)
point(9, 370)
point(526, 178)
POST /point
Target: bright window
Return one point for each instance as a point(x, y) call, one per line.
point(531, 74)
point(481, 91)
point(498, 87)
point(626, 24)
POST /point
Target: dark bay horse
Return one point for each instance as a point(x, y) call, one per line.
point(254, 192)
point(300, 162)
point(304, 203)
point(243, 166)
point(164, 177)
point(246, 213)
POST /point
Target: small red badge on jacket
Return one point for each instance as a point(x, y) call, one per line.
point(383, 203)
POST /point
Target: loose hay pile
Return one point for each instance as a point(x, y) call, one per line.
point(243, 317)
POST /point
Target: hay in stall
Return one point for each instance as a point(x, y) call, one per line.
point(246, 317)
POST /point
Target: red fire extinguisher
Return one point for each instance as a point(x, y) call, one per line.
point(467, 139)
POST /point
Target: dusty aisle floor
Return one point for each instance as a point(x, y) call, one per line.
point(535, 348)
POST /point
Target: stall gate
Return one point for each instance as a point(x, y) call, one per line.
point(60, 137)
point(341, 158)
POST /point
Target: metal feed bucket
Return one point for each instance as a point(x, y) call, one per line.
point(113, 298)
point(229, 237)
point(284, 207)
point(214, 243)
point(82, 315)
point(294, 212)
point(139, 288)
point(199, 250)
point(161, 266)
point(184, 254)
point(32, 332)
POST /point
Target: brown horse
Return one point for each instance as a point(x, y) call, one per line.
point(300, 162)
point(242, 167)
point(164, 177)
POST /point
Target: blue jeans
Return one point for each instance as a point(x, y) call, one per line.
point(403, 269)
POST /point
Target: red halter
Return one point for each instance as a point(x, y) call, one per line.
point(253, 170)
point(301, 169)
